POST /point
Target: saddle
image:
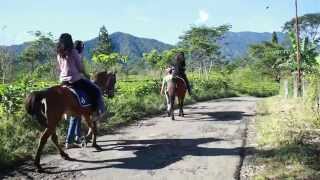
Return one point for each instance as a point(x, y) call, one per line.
point(83, 99)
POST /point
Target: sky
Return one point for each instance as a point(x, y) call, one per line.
point(164, 20)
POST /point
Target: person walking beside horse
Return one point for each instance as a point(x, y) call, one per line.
point(74, 129)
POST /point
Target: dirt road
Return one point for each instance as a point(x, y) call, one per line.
point(205, 144)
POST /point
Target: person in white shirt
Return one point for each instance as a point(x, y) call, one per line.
point(164, 88)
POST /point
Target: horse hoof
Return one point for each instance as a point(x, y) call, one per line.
point(66, 157)
point(39, 169)
point(84, 143)
point(98, 148)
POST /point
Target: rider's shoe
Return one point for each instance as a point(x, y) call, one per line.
point(168, 107)
point(77, 140)
point(70, 146)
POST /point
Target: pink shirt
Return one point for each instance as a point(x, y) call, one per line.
point(70, 67)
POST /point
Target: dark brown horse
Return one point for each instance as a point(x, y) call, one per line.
point(50, 105)
point(176, 88)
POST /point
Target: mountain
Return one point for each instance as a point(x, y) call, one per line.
point(129, 45)
point(123, 43)
point(234, 44)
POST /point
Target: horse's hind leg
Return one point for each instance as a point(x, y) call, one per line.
point(172, 99)
point(54, 139)
point(94, 137)
point(179, 104)
point(181, 113)
point(93, 126)
point(43, 140)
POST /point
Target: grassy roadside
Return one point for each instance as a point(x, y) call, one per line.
point(288, 144)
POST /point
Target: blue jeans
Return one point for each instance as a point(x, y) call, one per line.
point(74, 129)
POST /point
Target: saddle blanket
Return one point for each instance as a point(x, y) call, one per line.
point(83, 99)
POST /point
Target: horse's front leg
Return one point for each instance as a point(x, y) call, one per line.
point(168, 104)
point(94, 136)
point(54, 139)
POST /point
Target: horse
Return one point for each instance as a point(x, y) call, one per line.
point(49, 106)
point(176, 88)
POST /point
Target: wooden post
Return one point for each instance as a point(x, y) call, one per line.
point(295, 86)
point(304, 87)
point(286, 88)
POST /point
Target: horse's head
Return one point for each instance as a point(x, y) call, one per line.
point(106, 81)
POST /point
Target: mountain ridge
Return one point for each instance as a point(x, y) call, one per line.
point(233, 45)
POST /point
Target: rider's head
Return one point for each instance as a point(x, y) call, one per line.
point(180, 56)
point(65, 45)
point(79, 46)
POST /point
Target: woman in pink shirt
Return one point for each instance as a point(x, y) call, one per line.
point(72, 71)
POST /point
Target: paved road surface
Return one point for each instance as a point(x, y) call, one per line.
point(205, 144)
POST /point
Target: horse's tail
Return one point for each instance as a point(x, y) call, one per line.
point(33, 105)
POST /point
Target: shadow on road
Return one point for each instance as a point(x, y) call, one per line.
point(157, 154)
point(150, 154)
point(216, 116)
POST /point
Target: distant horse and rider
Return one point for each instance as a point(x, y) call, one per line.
point(49, 106)
point(175, 84)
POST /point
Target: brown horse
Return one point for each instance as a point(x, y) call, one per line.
point(50, 105)
point(176, 88)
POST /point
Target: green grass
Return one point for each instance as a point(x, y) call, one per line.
point(248, 81)
point(287, 137)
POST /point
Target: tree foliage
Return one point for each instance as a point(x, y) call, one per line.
point(108, 61)
point(308, 52)
point(274, 39)
point(39, 51)
point(203, 39)
point(6, 63)
point(201, 43)
point(267, 58)
point(309, 26)
point(161, 60)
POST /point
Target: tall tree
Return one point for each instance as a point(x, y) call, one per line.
point(267, 58)
point(161, 60)
point(6, 63)
point(202, 44)
point(308, 55)
point(39, 51)
point(309, 26)
point(104, 45)
point(274, 39)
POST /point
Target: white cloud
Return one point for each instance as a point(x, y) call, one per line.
point(203, 16)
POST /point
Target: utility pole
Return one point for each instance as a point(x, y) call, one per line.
point(299, 81)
